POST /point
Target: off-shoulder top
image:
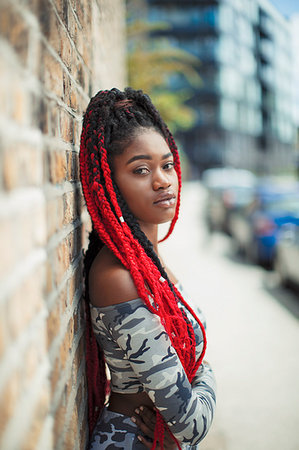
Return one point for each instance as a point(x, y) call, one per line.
point(140, 357)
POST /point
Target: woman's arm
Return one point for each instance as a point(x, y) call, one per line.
point(187, 409)
point(145, 417)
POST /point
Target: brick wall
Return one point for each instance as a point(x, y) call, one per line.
point(54, 54)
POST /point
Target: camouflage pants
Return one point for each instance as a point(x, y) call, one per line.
point(115, 431)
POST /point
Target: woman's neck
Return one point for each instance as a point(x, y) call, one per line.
point(151, 232)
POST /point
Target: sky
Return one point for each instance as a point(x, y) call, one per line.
point(286, 7)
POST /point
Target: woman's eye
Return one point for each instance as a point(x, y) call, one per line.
point(169, 165)
point(141, 171)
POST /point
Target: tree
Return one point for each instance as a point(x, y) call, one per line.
point(155, 66)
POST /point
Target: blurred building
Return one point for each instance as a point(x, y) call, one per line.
point(295, 56)
point(244, 105)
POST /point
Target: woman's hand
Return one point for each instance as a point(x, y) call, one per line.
point(145, 419)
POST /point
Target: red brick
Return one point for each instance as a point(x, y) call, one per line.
point(52, 74)
point(62, 261)
point(53, 323)
point(15, 30)
point(78, 74)
point(10, 397)
point(37, 111)
point(72, 24)
point(55, 375)
point(66, 87)
point(20, 104)
point(80, 12)
point(57, 34)
point(41, 410)
point(74, 98)
point(66, 126)
point(20, 381)
point(59, 5)
point(64, 350)
point(32, 358)
point(73, 166)
point(20, 313)
point(9, 229)
point(57, 166)
point(45, 12)
point(79, 41)
point(54, 215)
point(71, 435)
point(66, 50)
point(38, 222)
point(86, 53)
point(53, 119)
point(34, 6)
point(70, 208)
point(70, 332)
point(87, 11)
point(49, 275)
point(33, 226)
point(34, 57)
point(59, 421)
point(44, 116)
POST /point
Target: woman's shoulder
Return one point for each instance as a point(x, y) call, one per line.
point(109, 281)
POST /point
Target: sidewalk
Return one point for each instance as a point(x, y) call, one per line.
point(252, 339)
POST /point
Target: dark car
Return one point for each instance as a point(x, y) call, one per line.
point(255, 228)
point(227, 190)
point(287, 254)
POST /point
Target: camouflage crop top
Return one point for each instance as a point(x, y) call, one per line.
point(140, 357)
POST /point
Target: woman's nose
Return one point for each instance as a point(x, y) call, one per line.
point(161, 181)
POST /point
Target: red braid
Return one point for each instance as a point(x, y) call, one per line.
point(177, 167)
point(157, 292)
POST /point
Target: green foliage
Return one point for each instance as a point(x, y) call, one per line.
point(152, 63)
point(176, 114)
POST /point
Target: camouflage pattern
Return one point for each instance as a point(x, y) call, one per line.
point(115, 431)
point(140, 357)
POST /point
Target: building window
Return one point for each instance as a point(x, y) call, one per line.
point(245, 32)
point(252, 92)
point(228, 114)
point(231, 83)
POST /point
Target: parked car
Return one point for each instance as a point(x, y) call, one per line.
point(255, 228)
point(286, 261)
point(227, 189)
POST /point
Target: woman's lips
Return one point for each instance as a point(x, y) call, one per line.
point(165, 203)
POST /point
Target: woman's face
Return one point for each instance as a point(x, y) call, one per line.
point(146, 178)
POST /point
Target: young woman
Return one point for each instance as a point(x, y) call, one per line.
point(162, 393)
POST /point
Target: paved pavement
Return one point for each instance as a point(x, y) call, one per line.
point(253, 335)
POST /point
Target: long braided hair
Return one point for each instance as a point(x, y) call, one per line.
point(112, 120)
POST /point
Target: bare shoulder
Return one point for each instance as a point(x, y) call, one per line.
point(109, 281)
